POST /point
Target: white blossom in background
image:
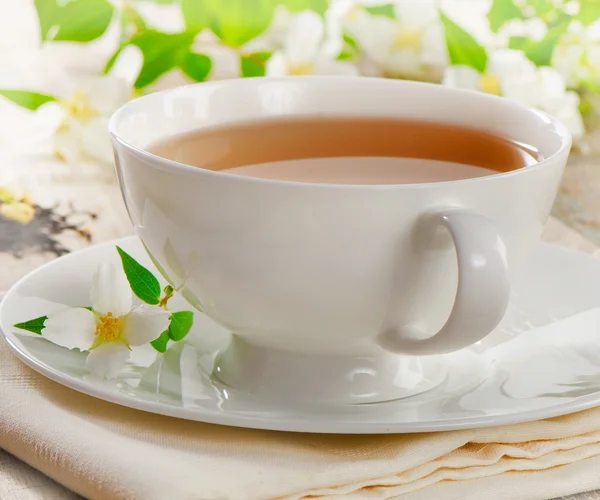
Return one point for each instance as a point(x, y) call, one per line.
point(411, 46)
point(472, 16)
point(77, 123)
point(302, 51)
point(577, 55)
point(114, 326)
point(275, 35)
point(74, 128)
point(510, 74)
point(534, 29)
point(225, 60)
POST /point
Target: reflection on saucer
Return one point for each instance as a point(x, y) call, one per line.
point(542, 361)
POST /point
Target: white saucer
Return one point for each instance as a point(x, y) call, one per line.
point(543, 360)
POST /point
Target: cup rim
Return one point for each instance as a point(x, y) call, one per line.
point(166, 164)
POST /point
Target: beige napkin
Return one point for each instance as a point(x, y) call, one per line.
point(104, 451)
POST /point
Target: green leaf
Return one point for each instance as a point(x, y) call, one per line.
point(112, 59)
point(386, 10)
point(237, 21)
point(26, 99)
point(197, 14)
point(161, 51)
point(160, 344)
point(241, 20)
point(541, 52)
point(83, 20)
point(589, 12)
point(501, 12)
point(351, 42)
point(254, 64)
point(196, 66)
point(234, 21)
point(517, 42)
point(345, 56)
point(143, 283)
point(181, 323)
point(35, 325)
point(462, 47)
point(318, 6)
point(46, 13)
point(541, 7)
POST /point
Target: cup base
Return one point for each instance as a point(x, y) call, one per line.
point(287, 376)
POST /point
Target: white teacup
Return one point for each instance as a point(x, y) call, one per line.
point(337, 292)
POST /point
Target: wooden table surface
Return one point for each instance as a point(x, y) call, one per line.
point(92, 188)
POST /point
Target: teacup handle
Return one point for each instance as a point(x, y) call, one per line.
point(483, 288)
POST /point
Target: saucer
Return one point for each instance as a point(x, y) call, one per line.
point(542, 361)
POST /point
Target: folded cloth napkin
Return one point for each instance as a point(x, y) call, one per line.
point(104, 451)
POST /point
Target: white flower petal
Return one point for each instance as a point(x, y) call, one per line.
point(277, 65)
point(327, 66)
point(166, 17)
point(274, 37)
point(534, 28)
point(170, 80)
point(461, 77)
point(368, 67)
point(95, 139)
point(404, 63)
point(510, 64)
point(566, 60)
point(592, 32)
point(304, 37)
point(106, 360)
point(36, 132)
point(282, 20)
point(128, 65)
point(225, 60)
point(593, 56)
point(472, 17)
point(144, 324)
point(375, 35)
point(524, 91)
point(416, 14)
point(49, 117)
point(106, 94)
point(433, 48)
point(110, 291)
point(517, 76)
point(67, 143)
point(566, 109)
point(72, 328)
point(552, 83)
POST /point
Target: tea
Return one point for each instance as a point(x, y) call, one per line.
point(348, 150)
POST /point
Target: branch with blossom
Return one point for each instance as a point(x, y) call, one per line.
point(543, 53)
point(112, 325)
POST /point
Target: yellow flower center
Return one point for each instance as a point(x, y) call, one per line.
point(301, 69)
point(78, 107)
point(58, 155)
point(19, 211)
point(6, 195)
point(108, 328)
point(408, 38)
point(490, 84)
